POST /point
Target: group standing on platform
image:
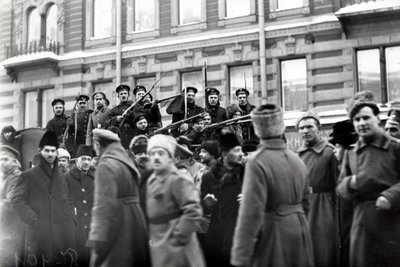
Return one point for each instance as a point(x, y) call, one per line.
point(113, 186)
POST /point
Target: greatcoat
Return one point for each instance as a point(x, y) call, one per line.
point(82, 125)
point(173, 212)
point(41, 201)
point(247, 127)
point(218, 114)
point(272, 228)
point(97, 119)
point(117, 219)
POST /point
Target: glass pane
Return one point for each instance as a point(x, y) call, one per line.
point(51, 24)
point(294, 85)
point(289, 4)
point(237, 8)
point(144, 15)
point(34, 25)
point(393, 72)
point(189, 11)
point(369, 73)
point(195, 79)
point(102, 18)
point(31, 109)
point(241, 77)
point(47, 109)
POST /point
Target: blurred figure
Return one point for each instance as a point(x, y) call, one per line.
point(7, 136)
point(392, 126)
point(63, 160)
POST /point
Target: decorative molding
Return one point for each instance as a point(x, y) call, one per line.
point(290, 43)
point(99, 70)
point(348, 67)
point(348, 51)
point(348, 84)
point(142, 63)
point(237, 50)
point(60, 14)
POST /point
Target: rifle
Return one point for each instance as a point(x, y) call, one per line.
point(157, 101)
point(65, 135)
point(240, 119)
point(178, 123)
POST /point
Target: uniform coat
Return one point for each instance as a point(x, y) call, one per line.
point(41, 201)
point(322, 166)
point(117, 219)
point(97, 119)
point(58, 125)
point(173, 241)
point(192, 110)
point(247, 127)
point(153, 115)
point(272, 227)
point(82, 125)
point(375, 233)
point(81, 189)
point(218, 114)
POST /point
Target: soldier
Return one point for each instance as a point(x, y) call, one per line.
point(63, 160)
point(151, 110)
point(392, 126)
point(319, 158)
point(82, 120)
point(125, 124)
point(173, 209)
point(41, 201)
point(141, 126)
point(242, 95)
point(98, 117)
point(58, 124)
point(218, 113)
point(196, 135)
point(80, 180)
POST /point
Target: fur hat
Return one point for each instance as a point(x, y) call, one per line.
point(343, 133)
point(84, 150)
point(9, 150)
point(228, 141)
point(166, 142)
point(139, 144)
point(211, 147)
point(48, 139)
point(268, 121)
point(63, 153)
point(101, 134)
point(311, 114)
point(232, 109)
point(358, 105)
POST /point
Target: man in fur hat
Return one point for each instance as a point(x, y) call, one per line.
point(319, 157)
point(272, 228)
point(173, 208)
point(41, 201)
point(118, 232)
point(98, 117)
point(218, 113)
point(220, 192)
point(63, 158)
point(370, 178)
point(392, 126)
point(80, 180)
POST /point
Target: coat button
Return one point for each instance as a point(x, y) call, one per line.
point(84, 201)
point(83, 189)
point(85, 226)
point(85, 214)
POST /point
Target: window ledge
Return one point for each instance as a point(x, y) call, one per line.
point(192, 27)
point(237, 20)
point(305, 10)
point(143, 34)
point(99, 41)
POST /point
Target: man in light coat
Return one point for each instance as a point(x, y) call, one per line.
point(173, 209)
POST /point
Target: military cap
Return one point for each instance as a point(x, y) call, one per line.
point(122, 87)
point(212, 91)
point(57, 100)
point(98, 92)
point(82, 96)
point(9, 150)
point(139, 88)
point(191, 88)
point(242, 91)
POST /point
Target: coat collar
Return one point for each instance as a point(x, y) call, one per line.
point(277, 144)
point(318, 147)
point(45, 166)
point(76, 173)
point(382, 141)
point(162, 178)
point(102, 110)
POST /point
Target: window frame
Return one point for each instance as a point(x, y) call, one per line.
point(223, 20)
point(40, 120)
point(190, 27)
point(232, 95)
point(200, 98)
point(130, 26)
point(274, 12)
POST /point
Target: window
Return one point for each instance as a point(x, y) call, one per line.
point(34, 23)
point(47, 110)
point(189, 11)
point(370, 72)
point(102, 18)
point(284, 8)
point(294, 85)
point(241, 77)
point(143, 19)
point(35, 116)
point(237, 8)
point(51, 24)
point(31, 110)
point(144, 15)
point(285, 4)
point(236, 11)
point(195, 79)
point(188, 15)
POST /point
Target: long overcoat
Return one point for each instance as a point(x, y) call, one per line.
point(375, 233)
point(97, 119)
point(82, 125)
point(323, 172)
point(218, 113)
point(117, 219)
point(173, 211)
point(81, 190)
point(41, 201)
point(272, 228)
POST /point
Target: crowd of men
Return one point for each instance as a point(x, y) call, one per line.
point(113, 187)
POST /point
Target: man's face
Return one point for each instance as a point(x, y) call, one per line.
point(142, 124)
point(207, 120)
point(142, 159)
point(205, 157)
point(213, 100)
point(63, 164)
point(392, 129)
point(7, 135)
point(309, 131)
point(5, 161)
point(98, 101)
point(234, 156)
point(366, 123)
point(139, 95)
point(160, 159)
point(49, 153)
point(246, 156)
point(190, 97)
point(58, 109)
point(82, 104)
point(242, 99)
point(198, 126)
point(236, 114)
point(84, 163)
point(123, 95)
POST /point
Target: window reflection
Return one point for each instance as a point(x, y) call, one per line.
point(393, 72)
point(294, 84)
point(237, 8)
point(240, 77)
point(189, 11)
point(195, 79)
point(102, 18)
point(51, 24)
point(33, 25)
point(144, 15)
point(31, 108)
point(369, 74)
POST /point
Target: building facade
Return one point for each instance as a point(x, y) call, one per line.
point(318, 52)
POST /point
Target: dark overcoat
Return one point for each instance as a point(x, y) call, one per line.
point(218, 114)
point(97, 119)
point(41, 201)
point(375, 233)
point(117, 219)
point(82, 125)
point(81, 190)
point(247, 127)
point(58, 125)
point(272, 227)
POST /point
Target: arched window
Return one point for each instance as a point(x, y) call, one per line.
point(51, 24)
point(102, 18)
point(34, 22)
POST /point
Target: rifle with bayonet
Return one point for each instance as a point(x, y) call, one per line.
point(178, 123)
point(157, 101)
point(221, 124)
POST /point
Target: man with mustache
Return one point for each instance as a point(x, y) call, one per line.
point(98, 118)
point(80, 180)
point(63, 160)
point(242, 95)
point(218, 113)
point(82, 120)
point(319, 158)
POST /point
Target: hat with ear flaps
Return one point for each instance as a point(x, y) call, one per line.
point(49, 139)
point(268, 121)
